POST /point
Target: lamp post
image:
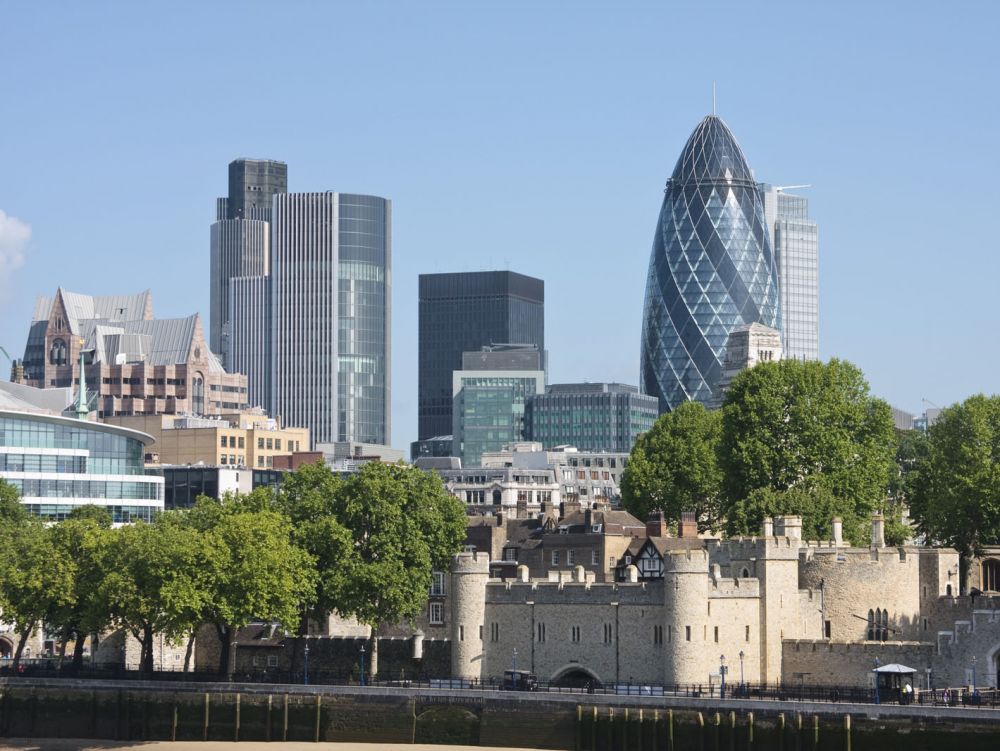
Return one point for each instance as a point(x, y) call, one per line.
point(306, 652)
point(973, 675)
point(742, 683)
point(875, 673)
point(722, 676)
point(362, 664)
point(515, 658)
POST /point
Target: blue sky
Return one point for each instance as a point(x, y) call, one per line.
point(522, 135)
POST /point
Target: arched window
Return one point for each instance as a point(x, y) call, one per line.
point(871, 626)
point(990, 581)
point(883, 633)
point(496, 498)
point(57, 353)
point(198, 394)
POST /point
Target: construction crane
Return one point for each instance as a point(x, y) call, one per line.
point(5, 354)
point(781, 188)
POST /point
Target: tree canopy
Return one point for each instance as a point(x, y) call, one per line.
point(789, 423)
point(674, 467)
point(955, 487)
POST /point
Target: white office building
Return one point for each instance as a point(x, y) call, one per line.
point(795, 239)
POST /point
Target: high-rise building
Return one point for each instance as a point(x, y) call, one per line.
point(711, 268)
point(795, 239)
point(240, 247)
point(489, 393)
point(590, 416)
point(301, 287)
point(330, 285)
point(462, 312)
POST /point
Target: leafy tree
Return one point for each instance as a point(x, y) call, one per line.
point(674, 466)
point(788, 422)
point(811, 500)
point(83, 538)
point(256, 571)
point(36, 577)
point(955, 497)
point(911, 451)
point(157, 577)
point(402, 526)
point(11, 509)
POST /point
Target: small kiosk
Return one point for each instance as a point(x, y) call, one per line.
point(894, 682)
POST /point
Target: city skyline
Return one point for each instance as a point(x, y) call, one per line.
point(557, 182)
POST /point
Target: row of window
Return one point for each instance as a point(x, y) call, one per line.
point(150, 491)
point(54, 512)
point(43, 463)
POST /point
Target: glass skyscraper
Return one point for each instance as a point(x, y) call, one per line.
point(462, 312)
point(711, 268)
point(795, 239)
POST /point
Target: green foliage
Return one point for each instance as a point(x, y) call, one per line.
point(674, 466)
point(36, 576)
point(402, 525)
point(11, 510)
point(811, 500)
point(955, 488)
point(790, 423)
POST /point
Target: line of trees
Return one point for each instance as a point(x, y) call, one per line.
point(364, 546)
point(808, 438)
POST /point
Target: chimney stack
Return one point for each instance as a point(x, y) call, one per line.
point(688, 526)
point(656, 524)
point(878, 530)
point(838, 532)
point(521, 511)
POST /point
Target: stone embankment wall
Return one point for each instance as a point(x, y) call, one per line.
point(242, 712)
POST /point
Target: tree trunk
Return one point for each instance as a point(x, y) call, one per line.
point(231, 631)
point(299, 643)
point(78, 651)
point(188, 653)
point(62, 646)
point(20, 646)
point(147, 651)
point(223, 648)
point(373, 651)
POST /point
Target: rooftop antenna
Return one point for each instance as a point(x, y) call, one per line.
point(713, 98)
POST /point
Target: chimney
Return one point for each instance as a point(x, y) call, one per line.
point(768, 528)
point(878, 530)
point(656, 524)
point(522, 510)
point(500, 517)
point(790, 527)
point(838, 532)
point(588, 519)
point(688, 526)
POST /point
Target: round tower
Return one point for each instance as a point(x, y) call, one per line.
point(469, 574)
point(690, 647)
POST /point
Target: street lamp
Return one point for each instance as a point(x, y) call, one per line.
point(742, 684)
point(362, 664)
point(875, 673)
point(973, 675)
point(722, 675)
point(307, 662)
point(515, 658)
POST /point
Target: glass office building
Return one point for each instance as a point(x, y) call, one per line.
point(590, 416)
point(711, 268)
point(489, 396)
point(59, 463)
point(795, 239)
point(460, 313)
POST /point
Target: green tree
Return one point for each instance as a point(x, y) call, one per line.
point(83, 538)
point(811, 500)
point(11, 509)
point(674, 466)
point(403, 525)
point(256, 570)
point(36, 577)
point(955, 498)
point(912, 447)
point(788, 422)
point(157, 577)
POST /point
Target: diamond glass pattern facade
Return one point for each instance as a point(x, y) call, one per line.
point(711, 268)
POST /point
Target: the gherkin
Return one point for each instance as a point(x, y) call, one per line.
point(711, 268)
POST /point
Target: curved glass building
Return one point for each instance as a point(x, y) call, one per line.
point(711, 268)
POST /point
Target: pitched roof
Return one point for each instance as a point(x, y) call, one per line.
point(80, 308)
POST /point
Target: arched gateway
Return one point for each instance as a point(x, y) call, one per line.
point(574, 676)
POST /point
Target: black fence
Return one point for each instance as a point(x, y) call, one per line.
point(798, 692)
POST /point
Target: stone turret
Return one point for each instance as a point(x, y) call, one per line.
point(878, 531)
point(685, 593)
point(469, 574)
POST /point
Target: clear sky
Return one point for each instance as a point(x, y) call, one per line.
point(522, 135)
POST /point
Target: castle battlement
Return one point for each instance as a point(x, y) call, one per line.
point(476, 562)
point(734, 587)
point(574, 593)
point(873, 648)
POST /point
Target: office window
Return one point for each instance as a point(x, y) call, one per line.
point(222, 441)
point(260, 443)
